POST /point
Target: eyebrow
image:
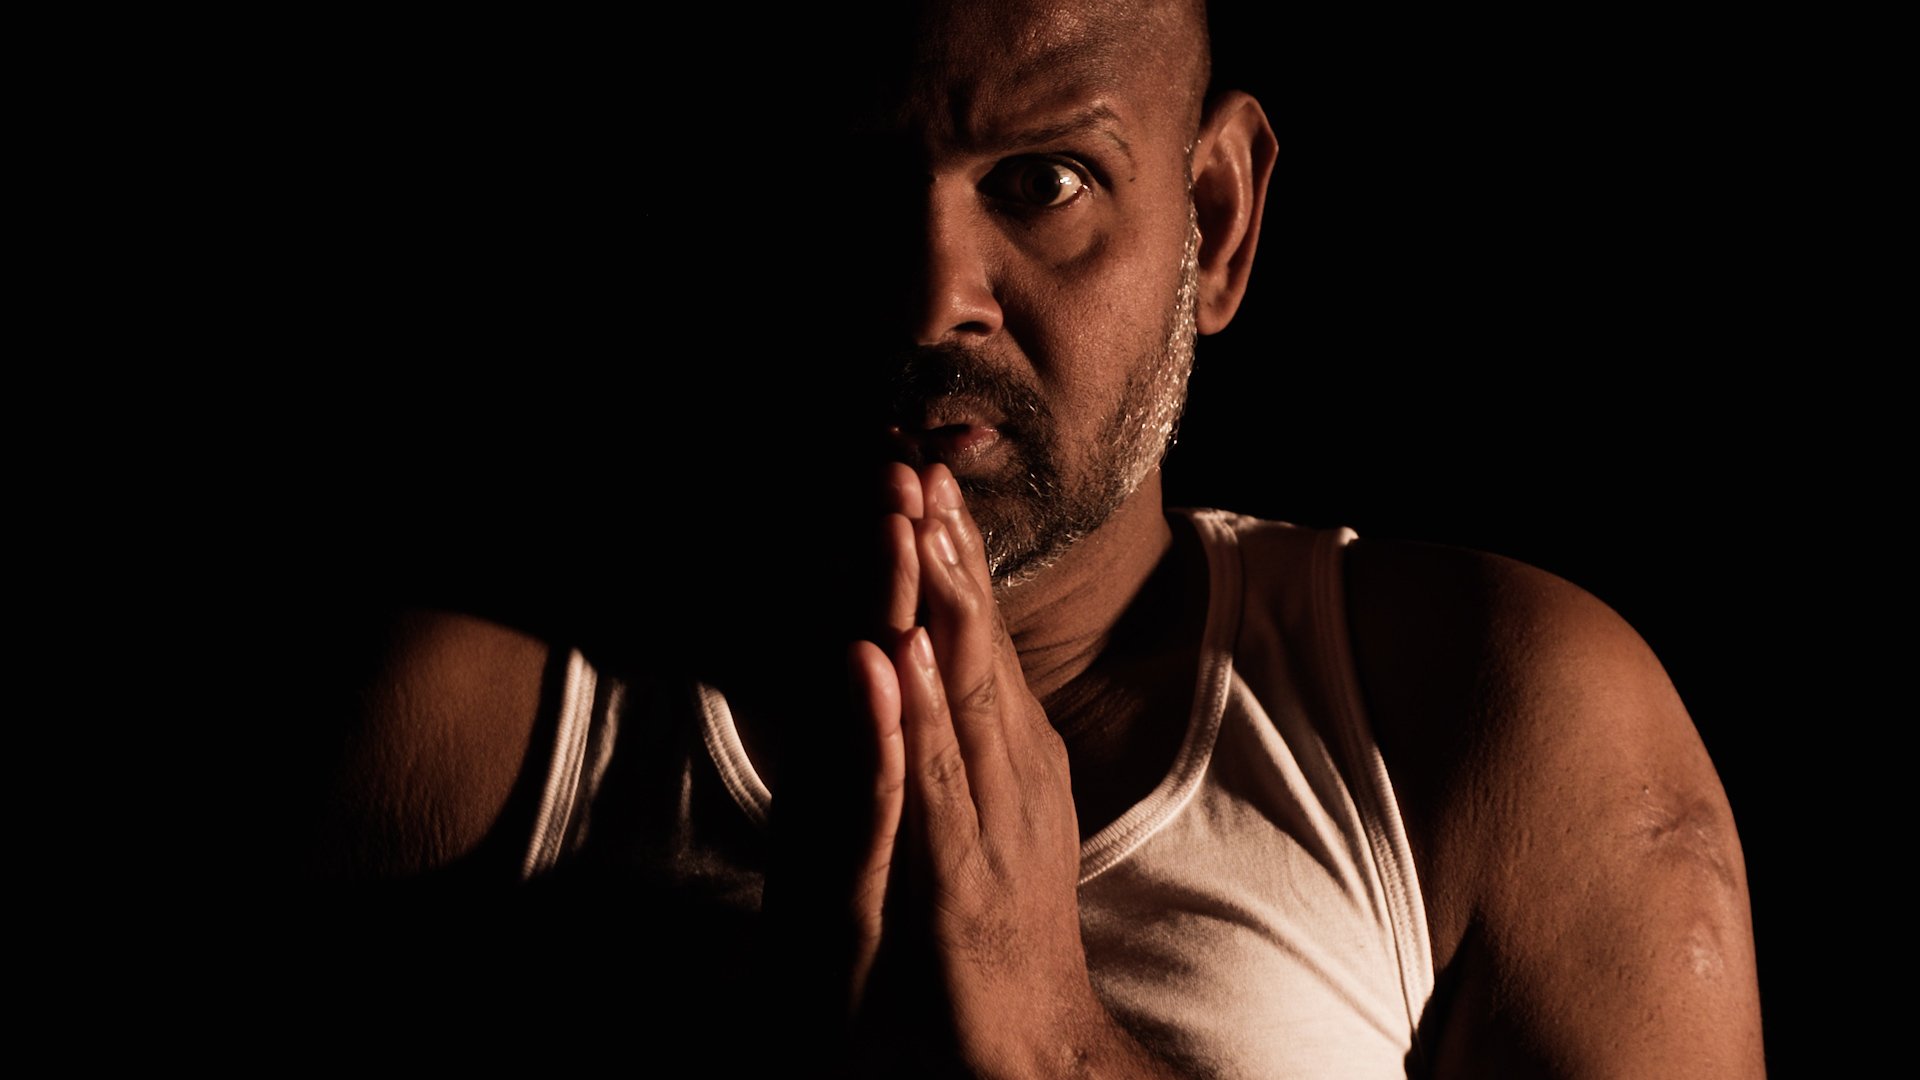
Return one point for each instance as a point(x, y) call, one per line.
point(1097, 119)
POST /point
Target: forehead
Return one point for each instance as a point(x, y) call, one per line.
point(972, 64)
point(1023, 39)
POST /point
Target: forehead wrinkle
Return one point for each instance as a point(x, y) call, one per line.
point(978, 80)
point(1098, 119)
point(986, 73)
point(980, 106)
point(1088, 57)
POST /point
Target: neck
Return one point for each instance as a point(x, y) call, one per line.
point(1063, 619)
point(1109, 641)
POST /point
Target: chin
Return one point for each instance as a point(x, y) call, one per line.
point(1022, 542)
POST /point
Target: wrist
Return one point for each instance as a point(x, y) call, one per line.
point(1080, 1039)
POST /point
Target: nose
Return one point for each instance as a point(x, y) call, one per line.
point(956, 297)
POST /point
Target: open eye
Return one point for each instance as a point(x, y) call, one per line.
point(1036, 181)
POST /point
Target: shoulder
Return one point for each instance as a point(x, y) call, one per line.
point(1580, 865)
point(434, 732)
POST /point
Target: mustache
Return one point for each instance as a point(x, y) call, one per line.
point(933, 372)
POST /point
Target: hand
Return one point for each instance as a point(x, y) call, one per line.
point(987, 827)
point(837, 814)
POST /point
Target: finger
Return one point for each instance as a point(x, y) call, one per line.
point(900, 603)
point(969, 642)
point(903, 492)
point(942, 499)
point(899, 580)
point(946, 505)
point(939, 793)
point(876, 697)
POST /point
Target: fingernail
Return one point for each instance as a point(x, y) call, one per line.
point(943, 544)
point(922, 647)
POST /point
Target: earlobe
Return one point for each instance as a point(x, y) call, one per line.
point(1232, 162)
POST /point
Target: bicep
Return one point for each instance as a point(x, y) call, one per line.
point(1611, 934)
point(1582, 876)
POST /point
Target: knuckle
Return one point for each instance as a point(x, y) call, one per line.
point(973, 922)
point(982, 696)
point(1051, 744)
point(946, 767)
point(966, 598)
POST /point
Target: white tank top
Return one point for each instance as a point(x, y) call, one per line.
point(1256, 915)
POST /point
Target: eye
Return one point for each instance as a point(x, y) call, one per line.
point(1036, 182)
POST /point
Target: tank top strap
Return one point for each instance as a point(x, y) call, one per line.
point(1296, 579)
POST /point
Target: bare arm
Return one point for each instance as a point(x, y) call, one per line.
point(1583, 877)
point(433, 736)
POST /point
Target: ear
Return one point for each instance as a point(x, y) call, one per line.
point(1232, 162)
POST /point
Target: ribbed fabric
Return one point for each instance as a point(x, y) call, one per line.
point(1373, 791)
point(560, 795)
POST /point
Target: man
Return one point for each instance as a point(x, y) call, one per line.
point(1119, 793)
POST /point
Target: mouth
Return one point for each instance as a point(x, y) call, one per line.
point(962, 438)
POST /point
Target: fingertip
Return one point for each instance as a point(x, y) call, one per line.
point(920, 647)
point(900, 554)
point(896, 531)
point(941, 538)
point(917, 672)
point(858, 654)
point(935, 545)
point(904, 492)
point(951, 569)
point(940, 488)
point(943, 498)
point(860, 666)
point(873, 686)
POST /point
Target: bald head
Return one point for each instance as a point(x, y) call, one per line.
point(910, 50)
point(1101, 38)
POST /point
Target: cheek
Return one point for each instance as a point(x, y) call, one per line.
point(1087, 297)
point(1087, 326)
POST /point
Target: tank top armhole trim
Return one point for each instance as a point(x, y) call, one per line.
point(1107, 848)
point(560, 795)
point(1373, 789)
point(729, 755)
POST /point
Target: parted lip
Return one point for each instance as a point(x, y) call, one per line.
point(953, 430)
point(947, 413)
